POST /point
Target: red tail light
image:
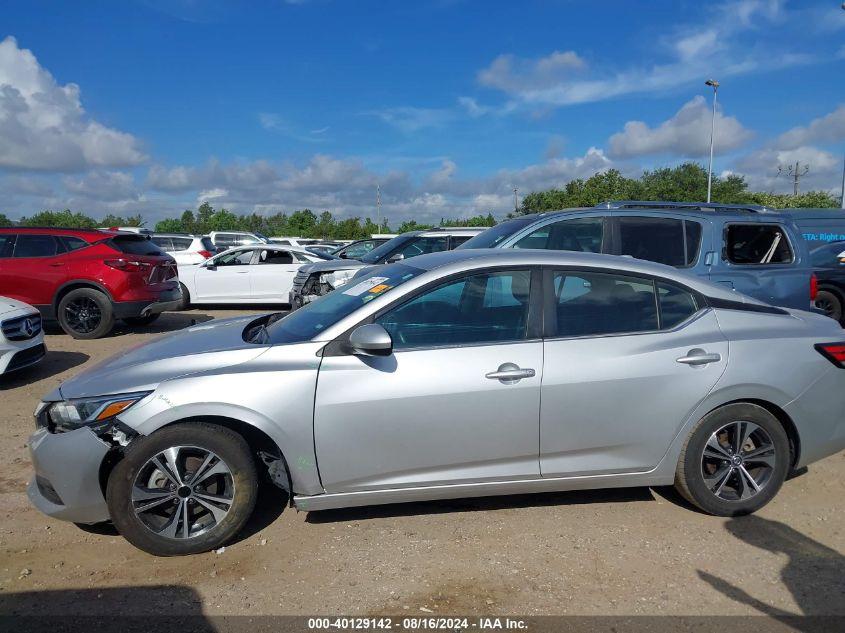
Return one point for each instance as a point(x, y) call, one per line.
point(127, 265)
point(814, 287)
point(834, 352)
point(206, 254)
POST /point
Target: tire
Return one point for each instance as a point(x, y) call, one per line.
point(715, 481)
point(141, 320)
point(153, 529)
point(831, 303)
point(86, 313)
point(185, 301)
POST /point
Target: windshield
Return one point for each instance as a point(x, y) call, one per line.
point(381, 252)
point(495, 235)
point(307, 322)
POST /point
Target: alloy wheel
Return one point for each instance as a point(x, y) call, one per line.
point(738, 461)
point(183, 492)
point(83, 315)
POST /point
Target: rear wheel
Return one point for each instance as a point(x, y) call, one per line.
point(85, 313)
point(185, 489)
point(830, 303)
point(141, 320)
point(735, 460)
point(185, 301)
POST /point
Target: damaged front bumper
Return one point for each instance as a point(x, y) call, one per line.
point(67, 466)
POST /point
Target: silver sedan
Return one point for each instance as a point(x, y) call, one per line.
point(459, 374)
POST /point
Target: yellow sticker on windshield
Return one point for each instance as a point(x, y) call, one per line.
point(380, 288)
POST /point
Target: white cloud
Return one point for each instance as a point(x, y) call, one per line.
point(733, 39)
point(275, 123)
point(827, 129)
point(512, 74)
point(760, 168)
point(43, 125)
point(408, 119)
point(104, 185)
point(686, 134)
point(211, 194)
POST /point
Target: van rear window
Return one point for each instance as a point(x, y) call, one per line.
point(757, 244)
point(135, 245)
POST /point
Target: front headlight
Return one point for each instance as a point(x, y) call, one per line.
point(73, 414)
point(337, 278)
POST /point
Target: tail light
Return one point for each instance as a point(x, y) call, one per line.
point(206, 254)
point(814, 287)
point(127, 265)
point(834, 352)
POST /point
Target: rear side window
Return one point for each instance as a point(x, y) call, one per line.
point(181, 243)
point(671, 241)
point(595, 304)
point(457, 240)
point(757, 244)
point(676, 305)
point(576, 234)
point(275, 257)
point(207, 244)
point(164, 243)
point(73, 243)
point(7, 242)
point(36, 246)
point(422, 246)
point(135, 245)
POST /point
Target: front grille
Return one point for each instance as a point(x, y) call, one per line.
point(47, 490)
point(26, 357)
point(22, 328)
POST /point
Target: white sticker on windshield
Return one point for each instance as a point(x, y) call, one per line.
point(362, 287)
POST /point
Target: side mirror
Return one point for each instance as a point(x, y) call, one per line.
point(371, 340)
point(210, 265)
point(398, 257)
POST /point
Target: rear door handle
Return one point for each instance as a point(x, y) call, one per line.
point(699, 357)
point(509, 373)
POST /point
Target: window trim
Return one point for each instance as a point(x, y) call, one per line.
point(550, 309)
point(780, 226)
point(533, 328)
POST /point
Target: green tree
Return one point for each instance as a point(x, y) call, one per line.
point(117, 220)
point(5, 221)
point(66, 218)
point(303, 223)
point(169, 225)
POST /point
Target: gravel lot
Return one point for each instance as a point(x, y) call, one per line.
point(622, 552)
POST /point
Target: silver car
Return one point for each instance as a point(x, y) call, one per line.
point(458, 374)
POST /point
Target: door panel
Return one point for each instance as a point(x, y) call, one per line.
point(228, 282)
point(613, 404)
point(36, 270)
point(427, 417)
point(271, 276)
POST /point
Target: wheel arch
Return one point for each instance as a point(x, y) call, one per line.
point(76, 284)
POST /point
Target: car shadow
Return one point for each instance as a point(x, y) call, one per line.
point(477, 504)
point(814, 573)
point(53, 363)
point(120, 609)
point(271, 503)
point(167, 322)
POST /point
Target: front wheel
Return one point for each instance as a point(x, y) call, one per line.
point(734, 461)
point(185, 489)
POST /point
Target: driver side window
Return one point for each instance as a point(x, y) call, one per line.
point(235, 258)
point(483, 308)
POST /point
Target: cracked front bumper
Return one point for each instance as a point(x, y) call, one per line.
point(66, 484)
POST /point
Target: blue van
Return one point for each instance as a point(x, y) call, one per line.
point(752, 249)
point(818, 226)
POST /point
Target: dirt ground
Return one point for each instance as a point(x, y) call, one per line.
point(621, 552)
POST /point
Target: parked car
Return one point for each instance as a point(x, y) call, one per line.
point(295, 242)
point(247, 274)
point(184, 248)
point(317, 280)
point(85, 279)
point(128, 229)
point(21, 336)
point(224, 240)
point(750, 249)
point(467, 373)
point(323, 249)
point(829, 266)
point(359, 248)
point(818, 226)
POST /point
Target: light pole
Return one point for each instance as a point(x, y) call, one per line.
point(715, 85)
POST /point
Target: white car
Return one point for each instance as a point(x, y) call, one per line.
point(184, 248)
point(21, 337)
point(247, 274)
point(229, 239)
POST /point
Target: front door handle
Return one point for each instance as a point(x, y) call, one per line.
point(697, 357)
point(509, 373)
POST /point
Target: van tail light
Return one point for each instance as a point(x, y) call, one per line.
point(814, 287)
point(206, 254)
point(127, 265)
point(834, 352)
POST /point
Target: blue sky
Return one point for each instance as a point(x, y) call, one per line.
point(152, 106)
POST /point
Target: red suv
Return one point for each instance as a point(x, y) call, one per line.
point(85, 279)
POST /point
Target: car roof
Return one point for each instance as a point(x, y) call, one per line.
point(86, 234)
point(482, 257)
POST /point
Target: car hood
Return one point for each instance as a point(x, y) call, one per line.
point(333, 265)
point(206, 347)
point(10, 305)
